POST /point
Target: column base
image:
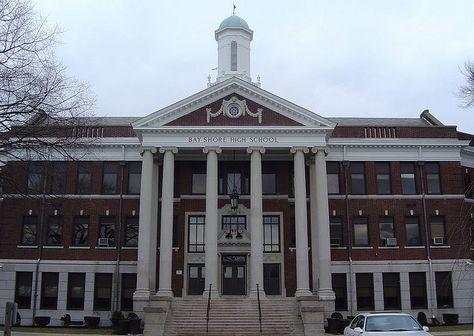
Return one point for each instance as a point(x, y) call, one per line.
point(261, 294)
point(141, 297)
point(303, 292)
point(214, 294)
point(165, 293)
point(325, 294)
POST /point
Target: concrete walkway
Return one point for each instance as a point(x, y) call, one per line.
point(438, 333)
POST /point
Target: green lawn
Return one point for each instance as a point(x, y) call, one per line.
point(59, 330)
point(452, 328)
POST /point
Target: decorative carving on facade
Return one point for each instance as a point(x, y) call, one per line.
point(234, 108)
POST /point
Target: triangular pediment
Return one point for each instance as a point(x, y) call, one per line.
point(232, 103)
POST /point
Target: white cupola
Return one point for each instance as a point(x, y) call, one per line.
point(233, 48)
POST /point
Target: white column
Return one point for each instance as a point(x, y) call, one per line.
point(145, 226)
point(301, 222)
point(166, 233)
point(154, 227)
point(211, 225)
point(325, 291)
point(314, 227)
point(256, 221)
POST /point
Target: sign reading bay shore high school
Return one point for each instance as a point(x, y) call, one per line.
point(231, 139)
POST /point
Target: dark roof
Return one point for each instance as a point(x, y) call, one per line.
point(381, 122)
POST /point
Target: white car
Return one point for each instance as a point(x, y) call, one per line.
point(385, 324)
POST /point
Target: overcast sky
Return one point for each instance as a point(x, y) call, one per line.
point(333, 57)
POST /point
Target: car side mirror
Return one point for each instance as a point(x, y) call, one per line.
point(425, 328)
point(358, 329)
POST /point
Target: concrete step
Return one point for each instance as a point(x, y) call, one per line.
point(234, 317)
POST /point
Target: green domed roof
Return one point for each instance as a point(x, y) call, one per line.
point(234, 21)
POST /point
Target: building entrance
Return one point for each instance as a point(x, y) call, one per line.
point(234, 275)
point(196, 279)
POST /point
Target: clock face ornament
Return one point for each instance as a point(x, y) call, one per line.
point(234, 111)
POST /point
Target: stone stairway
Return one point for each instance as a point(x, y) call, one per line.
point(234, 316)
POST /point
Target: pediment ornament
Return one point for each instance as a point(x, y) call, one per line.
point(234, 108)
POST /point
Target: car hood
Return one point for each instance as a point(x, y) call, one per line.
point(396, 333)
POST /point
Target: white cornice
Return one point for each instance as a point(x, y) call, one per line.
point(397, 142)
point(223, 89)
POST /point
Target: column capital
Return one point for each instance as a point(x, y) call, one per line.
point(295, 149)
point(152, 149)
point(316, 149)
point(250, 149)
point(216, 149)
point(172, 149)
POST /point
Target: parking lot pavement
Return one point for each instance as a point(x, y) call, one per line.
point(452, 333)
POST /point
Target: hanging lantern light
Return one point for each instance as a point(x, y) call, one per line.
point(234, 199)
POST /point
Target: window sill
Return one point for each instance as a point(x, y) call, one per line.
point(53, 247)
point(338, 248)
point(79, 247)
point(440, 246)
point(415, 247)
point(27, 246)
point(105, 248)
point(388, 247)
point(362, 247)
point(130, 248)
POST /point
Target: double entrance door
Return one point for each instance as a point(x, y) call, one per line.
point(234, 269)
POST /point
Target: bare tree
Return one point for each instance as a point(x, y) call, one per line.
point(466, 92)
point(39, 105)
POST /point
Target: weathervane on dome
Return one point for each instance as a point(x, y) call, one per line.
point(233, 11)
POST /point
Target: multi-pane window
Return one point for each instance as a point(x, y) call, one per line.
point(199, 184)
point(103, 291)
point(84, 178)
point(407, 176)
point(357, 170)
point(386, 231)
point(233, 56)
point(75, 291)
point(391, 291)
point(29, 231)
point(271, 233)
point(433, 181)
point(80, 233)
point(333, 177)
point(335, 231)
point(269, 184)
point(49, 290)
point(418, 290)
point(59, 178)
point(444, 289)
point(134, 177)
point(234, 224)
point(365, 291)
point(35, 178)
point(382, 177)
point(412, 231)
point(234, 183)
point(54, 231)
point(361, 231)
point(196, 233)
point(437, 230)
point(129, 284)
point(468, 186)
point(339, 285)
point(131, 231)
point(23, 289)
point(109, 178)
point(107, 230)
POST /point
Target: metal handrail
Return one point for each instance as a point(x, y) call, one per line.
point(208, 308)
point(259, 310)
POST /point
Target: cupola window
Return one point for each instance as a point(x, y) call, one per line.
point(233, 56)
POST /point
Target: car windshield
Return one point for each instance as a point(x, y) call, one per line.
point(391, 323)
